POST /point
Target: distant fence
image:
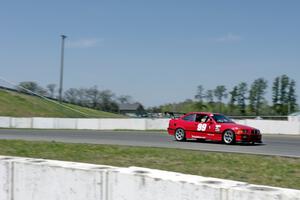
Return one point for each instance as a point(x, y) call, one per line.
point(291, 126)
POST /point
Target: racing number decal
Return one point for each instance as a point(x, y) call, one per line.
point(201, 127)
point(217, 128)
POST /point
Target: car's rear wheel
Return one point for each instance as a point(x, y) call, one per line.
point(179, 134)
point(229, 137)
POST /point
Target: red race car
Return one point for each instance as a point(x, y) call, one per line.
point(212, 126)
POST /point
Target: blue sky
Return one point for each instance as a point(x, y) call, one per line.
point(157, 51)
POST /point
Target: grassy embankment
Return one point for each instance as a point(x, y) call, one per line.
point(20, 105)
point(267, 170)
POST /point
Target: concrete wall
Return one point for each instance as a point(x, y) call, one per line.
point(273, 126)
point(36, 179)
point(5, 122)
point(266, 126)
point(111, 124)
point(294, 118)
point(154, 124)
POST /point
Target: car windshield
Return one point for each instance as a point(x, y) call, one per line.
point(221, 119)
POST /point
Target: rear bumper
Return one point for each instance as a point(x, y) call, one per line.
point(171, 131)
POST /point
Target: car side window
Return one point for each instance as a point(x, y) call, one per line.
point(201, 118)
point(209, 120)
point(189, 118)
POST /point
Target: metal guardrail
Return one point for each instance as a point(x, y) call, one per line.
point(177, 114)
point(267, 117)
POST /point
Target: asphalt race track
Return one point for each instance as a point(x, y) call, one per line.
point(281, 145)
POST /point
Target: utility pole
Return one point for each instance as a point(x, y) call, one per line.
point(63, 37)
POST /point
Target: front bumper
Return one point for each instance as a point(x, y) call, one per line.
point(249, 138)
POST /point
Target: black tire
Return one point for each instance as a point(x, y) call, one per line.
point(180, 135)
point(228, 137)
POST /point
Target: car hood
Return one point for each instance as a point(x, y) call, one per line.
point(240, 126)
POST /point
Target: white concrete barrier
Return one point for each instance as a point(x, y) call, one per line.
point(21, 122)
point(5, 122)
point(36, 179)
point(65, 123)
point(129, 124)
point(137, 183)
point(266, 126)
point(53, 180)
point(294, 118)
point(43, 123)
point(88, 124)
point(141, 183)
point(5, 179)
point(157, 124)
point(273, 126)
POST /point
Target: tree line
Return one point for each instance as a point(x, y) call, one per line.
point(92, 97)
point(242, 99)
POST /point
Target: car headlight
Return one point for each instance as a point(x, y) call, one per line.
point(242, 131)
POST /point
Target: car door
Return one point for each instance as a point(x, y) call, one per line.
point(213, 130)
point(202, 127)
point(212, 126)
point(189, 124)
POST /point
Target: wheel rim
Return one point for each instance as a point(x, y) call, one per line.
point(228, 137)
point(179, 134)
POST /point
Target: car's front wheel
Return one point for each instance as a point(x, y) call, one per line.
point(179, 134)
point(229, 137)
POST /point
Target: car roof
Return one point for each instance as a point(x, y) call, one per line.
point(205, 113)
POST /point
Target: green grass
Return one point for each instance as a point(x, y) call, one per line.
point(267, 170)
point(20, 105)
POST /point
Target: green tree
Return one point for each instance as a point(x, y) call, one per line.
point(209, 96)
point(233, 95)
point(124, 99)
point(200, 95)
point(292, 98)
point(31, 87)
point(71, 95)
point(256, 96)
point(107, 102)
point(233, 99)
point(242, 91)
point(51, 89)
point(93, 96)
point(276, 95)
point(284, 86)
point(220, 93)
